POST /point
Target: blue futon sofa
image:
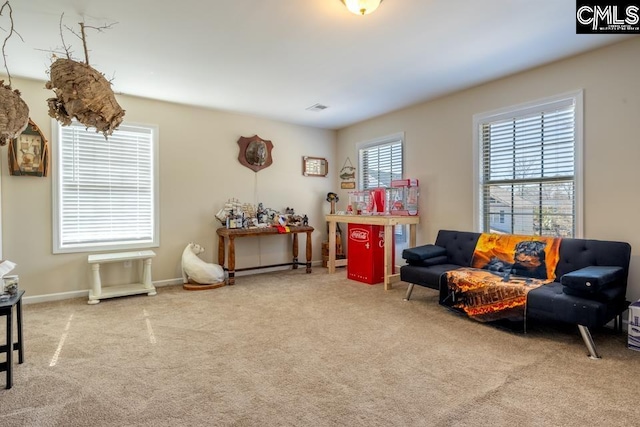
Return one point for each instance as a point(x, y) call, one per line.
point(589, 291)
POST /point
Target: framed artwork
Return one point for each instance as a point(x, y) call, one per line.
point(29, 153)
point(314, 166)
point(255, 152)
point(348, 176)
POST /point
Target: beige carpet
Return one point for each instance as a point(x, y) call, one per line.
point(291, 349)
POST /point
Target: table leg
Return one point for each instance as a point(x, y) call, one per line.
point(96, 284)
point(308, 252)
point(295, 251)
point(20, 345)
point(221, 251)
point(9, 348)
point(331, 264)
point(146, 277)
point(412, 235)
point(232, 261)
point(388, 259)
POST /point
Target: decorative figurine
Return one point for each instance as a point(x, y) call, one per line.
point(198, 270)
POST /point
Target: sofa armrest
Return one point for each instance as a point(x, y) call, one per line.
point(422, 253)
point(592, 279)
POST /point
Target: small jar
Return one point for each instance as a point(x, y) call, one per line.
point(10, 284)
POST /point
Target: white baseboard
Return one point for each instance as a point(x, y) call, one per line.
point(85, 294)
point(167, 282)
point(55, 297)
point(158, 284)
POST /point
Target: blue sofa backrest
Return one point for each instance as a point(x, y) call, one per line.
point(459, 245)
point(574, 253)
point(579, 253)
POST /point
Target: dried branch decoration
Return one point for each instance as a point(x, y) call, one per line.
point(82, 92)
point(14, 112)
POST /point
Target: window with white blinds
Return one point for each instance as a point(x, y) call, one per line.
point(380, 162)
point(529, 169)
point(105, 189)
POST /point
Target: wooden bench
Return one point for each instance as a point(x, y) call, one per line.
point(97, 292)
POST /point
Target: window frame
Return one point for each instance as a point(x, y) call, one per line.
point(538, 106)
point(57, 130)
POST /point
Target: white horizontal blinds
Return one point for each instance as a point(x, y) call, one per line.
point(106, 186)
point(528, 172)
point(379, 164)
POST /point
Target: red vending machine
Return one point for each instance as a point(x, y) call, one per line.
point(365, 252)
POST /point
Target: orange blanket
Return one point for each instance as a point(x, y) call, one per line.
point(504, 269)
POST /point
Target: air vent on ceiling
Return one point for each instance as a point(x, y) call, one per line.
point(317, 107)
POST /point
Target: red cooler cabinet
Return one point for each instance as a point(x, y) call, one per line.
point(365, 252)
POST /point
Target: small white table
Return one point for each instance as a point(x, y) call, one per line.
point(97, 292)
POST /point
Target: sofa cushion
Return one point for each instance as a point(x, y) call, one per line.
point(429, 261)
point(549, 302)
point(428, 277)
point(592, 279)
point(421, 253)
point(605, 295)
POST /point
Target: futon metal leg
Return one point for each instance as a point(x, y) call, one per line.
point(618, 323)
point(586, 337)
point(409, 290)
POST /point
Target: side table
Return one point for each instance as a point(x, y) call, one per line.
point(6, 309)
point(98, 292)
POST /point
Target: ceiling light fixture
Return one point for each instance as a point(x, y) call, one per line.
point(361, 7)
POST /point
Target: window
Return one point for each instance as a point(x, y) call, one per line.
point(380, 161)
point(529, 168)
point(105, 190)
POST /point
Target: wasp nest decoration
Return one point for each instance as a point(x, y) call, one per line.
point(85, 94)
point(14, 113)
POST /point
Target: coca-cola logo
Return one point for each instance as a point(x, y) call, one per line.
point(359, 235)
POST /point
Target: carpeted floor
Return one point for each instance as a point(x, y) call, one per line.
point(291, 349)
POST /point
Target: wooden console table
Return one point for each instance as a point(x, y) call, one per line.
point(388, 221)
point(230, 235)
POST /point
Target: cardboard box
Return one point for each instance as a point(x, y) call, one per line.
point(634, 326)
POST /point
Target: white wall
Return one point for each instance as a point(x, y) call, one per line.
point(199, 171)
point(199, 168)
point(438, 150)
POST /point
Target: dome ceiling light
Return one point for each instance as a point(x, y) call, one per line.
point(361, 7)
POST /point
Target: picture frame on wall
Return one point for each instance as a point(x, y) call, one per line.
point(314, 166)
point(29, 153)
point(348, 185)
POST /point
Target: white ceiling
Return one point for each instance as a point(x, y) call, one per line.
point(275, 58)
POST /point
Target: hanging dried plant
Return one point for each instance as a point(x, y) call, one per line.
point(14, 112)
point(83, 93)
